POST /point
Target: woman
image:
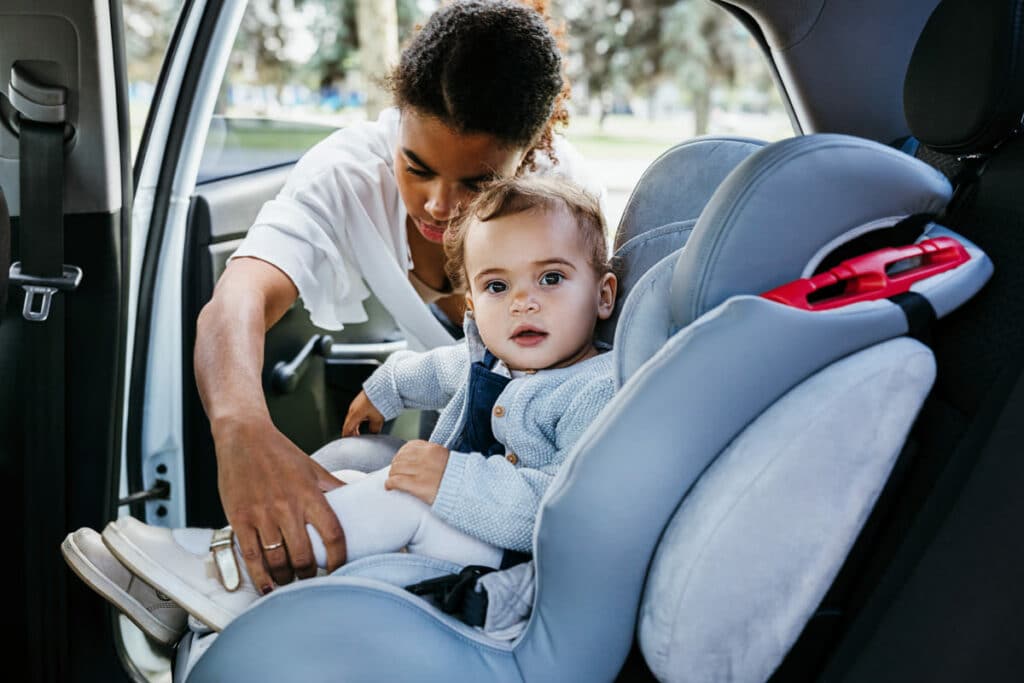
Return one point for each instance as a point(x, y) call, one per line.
point(477, 92)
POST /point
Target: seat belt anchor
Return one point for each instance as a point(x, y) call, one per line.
point(43, 288)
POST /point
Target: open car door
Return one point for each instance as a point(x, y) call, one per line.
point(205, 175)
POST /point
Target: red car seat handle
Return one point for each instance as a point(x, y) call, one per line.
point(880, 274)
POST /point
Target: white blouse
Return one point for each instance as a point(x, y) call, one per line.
point(337, 229)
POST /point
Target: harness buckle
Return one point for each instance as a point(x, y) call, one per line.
point(43, 288)
point(456, 594)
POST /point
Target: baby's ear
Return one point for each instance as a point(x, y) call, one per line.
point(607, 288)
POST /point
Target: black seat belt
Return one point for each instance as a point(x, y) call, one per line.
point(41, 273)
point(5, 252)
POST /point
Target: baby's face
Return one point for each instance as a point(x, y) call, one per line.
point(532, 290)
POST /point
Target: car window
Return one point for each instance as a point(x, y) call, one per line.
point(148, 26)
point(645, 76)
point(294, 76)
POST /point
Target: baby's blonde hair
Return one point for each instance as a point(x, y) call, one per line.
point(510, 196)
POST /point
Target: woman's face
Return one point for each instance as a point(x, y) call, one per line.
point(439, 170)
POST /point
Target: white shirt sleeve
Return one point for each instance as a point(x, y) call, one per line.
point(340, 191)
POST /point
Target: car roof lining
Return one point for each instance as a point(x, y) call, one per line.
point(859, 92)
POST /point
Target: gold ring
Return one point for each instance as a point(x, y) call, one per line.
point(274, 546)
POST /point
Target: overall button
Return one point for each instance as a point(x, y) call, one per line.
point(512, 458)
point(499, 411)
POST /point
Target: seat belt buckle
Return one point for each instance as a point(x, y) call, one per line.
point(43, 289)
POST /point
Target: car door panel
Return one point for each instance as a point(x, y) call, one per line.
point(311, 409)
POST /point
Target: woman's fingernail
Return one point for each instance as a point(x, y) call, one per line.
point(267, 589)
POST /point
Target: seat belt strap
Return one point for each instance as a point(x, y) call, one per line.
point(42, 273)
point(5, 251)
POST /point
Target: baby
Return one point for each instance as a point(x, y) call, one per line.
point(515, 396)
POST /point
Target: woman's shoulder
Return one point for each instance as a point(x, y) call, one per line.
point(364, 145)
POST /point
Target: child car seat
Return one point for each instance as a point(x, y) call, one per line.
point(657, 221)
point(717, 459)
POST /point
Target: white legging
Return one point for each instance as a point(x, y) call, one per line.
point(376, 521)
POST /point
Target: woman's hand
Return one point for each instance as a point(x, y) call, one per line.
point(417, 469)
point(359, 411)
point(270, 490)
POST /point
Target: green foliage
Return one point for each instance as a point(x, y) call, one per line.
point(616, 48)
point(625, 48)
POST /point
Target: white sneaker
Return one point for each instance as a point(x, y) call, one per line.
point(179, 563)
point(155, 614)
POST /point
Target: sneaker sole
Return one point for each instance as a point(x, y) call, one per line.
point(187, 597)
point(129, 606)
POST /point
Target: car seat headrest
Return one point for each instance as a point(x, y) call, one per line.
point(788, 206)
point(664, 207)
point(964, 88)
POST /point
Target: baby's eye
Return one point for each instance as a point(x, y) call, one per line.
point(551, 278)
point(495, 287)
point(417, 171)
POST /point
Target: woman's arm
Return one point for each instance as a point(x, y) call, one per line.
point(269, 488)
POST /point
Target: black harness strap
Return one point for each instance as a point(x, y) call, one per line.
point(920, 315)
point(456, 594)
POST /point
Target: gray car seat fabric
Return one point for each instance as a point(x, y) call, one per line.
point(787, 497)
point(707, 392)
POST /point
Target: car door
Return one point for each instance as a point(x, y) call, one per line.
point(200, 188)
point(65, 174)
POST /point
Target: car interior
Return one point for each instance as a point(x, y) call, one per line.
point(818, 487)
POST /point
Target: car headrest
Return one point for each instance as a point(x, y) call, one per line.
point(964, 89)
point(784, 209)
point(664, 207)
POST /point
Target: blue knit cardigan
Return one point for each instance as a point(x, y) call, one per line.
point(542, 415)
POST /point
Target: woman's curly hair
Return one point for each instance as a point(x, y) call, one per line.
point(488, 66)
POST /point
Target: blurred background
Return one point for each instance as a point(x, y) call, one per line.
point(645, 74)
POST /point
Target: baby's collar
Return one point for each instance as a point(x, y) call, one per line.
point(474, 341)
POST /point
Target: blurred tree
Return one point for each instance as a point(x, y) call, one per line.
point(148, 24)
point(711, 44)
point(271, 27)
point(378, 50)
point(624, 48)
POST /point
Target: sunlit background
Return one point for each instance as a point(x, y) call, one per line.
point(645, 74)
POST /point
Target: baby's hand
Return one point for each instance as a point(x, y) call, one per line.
point(360, 411)
point(417, 468)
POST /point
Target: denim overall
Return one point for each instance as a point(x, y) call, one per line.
point(477, 436)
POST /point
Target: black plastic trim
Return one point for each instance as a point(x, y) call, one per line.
point(158, 91)
point(757, 33)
